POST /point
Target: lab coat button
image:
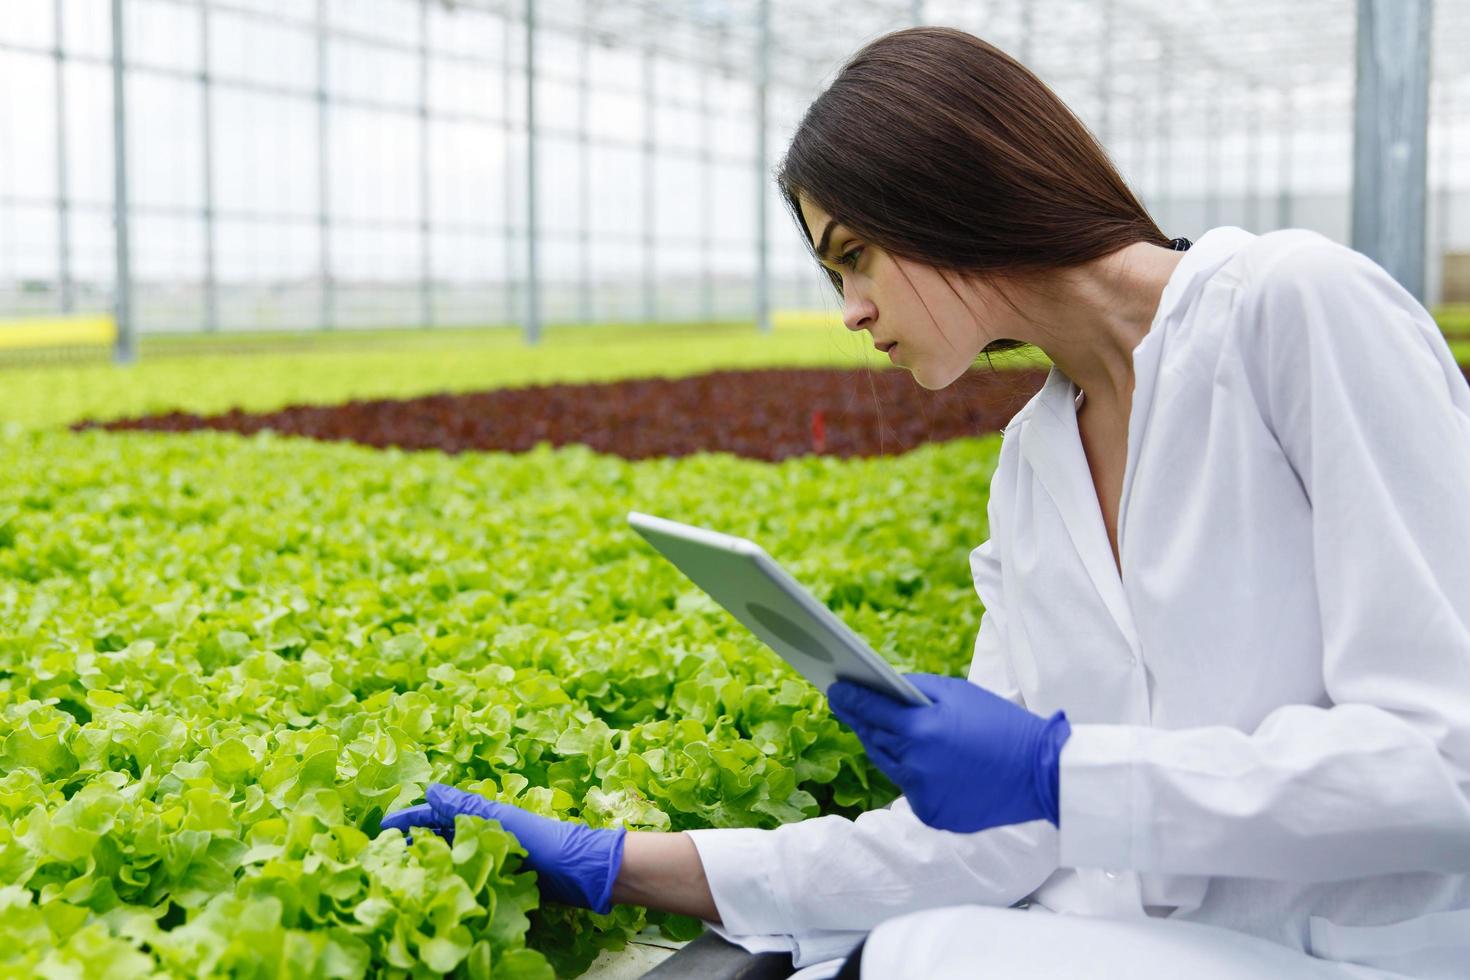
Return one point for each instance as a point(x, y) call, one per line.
point(1111, 874)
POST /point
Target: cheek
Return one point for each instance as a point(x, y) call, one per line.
point(934, 309)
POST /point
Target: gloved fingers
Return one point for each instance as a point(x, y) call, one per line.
point(852, 702)
point(940, 687)
point(887, 764)
point(859, 729)
point(413, 816)
point(447, 802)
point(421, 815)
point(888, 743)
point(890, 753)
point(859, 724)
point(846, 717)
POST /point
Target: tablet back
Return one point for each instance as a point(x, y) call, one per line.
point(740, 576)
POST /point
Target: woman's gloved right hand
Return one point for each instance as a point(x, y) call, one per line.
point(574, 864)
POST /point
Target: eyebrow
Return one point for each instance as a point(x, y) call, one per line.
point(826, 234)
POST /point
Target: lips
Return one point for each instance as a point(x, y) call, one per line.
point(886, 346)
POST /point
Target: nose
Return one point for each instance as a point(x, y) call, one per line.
point(858, 314)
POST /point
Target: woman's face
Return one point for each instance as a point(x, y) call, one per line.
point(934, 319)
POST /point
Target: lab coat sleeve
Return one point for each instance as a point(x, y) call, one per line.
point(1361, 392)
point(813, 888)
point(817, 886)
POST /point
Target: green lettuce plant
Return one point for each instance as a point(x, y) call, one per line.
point(223, 659)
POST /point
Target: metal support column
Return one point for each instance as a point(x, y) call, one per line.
point(650, 215)
point(1253, 163)
point(63, 194)
point(1028, 32)
point(1163, 133)
point(1449, 147)
point(511, 193)
point(1105, 79)
point(426, 236)
point(1443, 114)
point(1285, 142)
point(1390, 155)
point(1130, 143)
point(1213, 118)
point(126, 349)
point(328, 312)
point(584, 184)
point(206, 131)
point(533, 272)
point(706, 201)
point(762, 223)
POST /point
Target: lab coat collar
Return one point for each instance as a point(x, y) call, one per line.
point(1052, 443)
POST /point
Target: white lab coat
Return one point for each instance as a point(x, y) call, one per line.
point(1270, 707)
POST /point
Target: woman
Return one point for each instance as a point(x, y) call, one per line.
point(1219, 707)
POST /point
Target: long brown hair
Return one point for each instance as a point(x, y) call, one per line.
point(941, 148)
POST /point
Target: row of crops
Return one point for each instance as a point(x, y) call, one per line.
point(223, 658)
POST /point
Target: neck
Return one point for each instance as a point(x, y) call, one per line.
point(1088, 319)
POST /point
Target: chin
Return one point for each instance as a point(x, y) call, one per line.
point(934, 378)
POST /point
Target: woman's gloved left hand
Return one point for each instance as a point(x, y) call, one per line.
point(574, 864)
point(969, 761)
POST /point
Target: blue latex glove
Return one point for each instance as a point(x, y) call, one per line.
point(574, 864)
point(969, 761)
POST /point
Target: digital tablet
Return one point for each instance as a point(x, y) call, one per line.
point(740, 576)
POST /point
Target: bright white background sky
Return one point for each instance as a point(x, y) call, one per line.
point(265, 173)
point(266, 146)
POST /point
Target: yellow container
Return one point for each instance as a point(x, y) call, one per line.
point(79, 330)
point(809, 319)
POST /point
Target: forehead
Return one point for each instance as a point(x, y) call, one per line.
point(816, 218)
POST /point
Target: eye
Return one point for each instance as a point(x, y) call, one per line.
point(849, 258)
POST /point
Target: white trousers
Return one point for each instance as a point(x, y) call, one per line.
point(973, 942)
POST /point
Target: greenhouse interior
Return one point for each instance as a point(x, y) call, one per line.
point(557, 488)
